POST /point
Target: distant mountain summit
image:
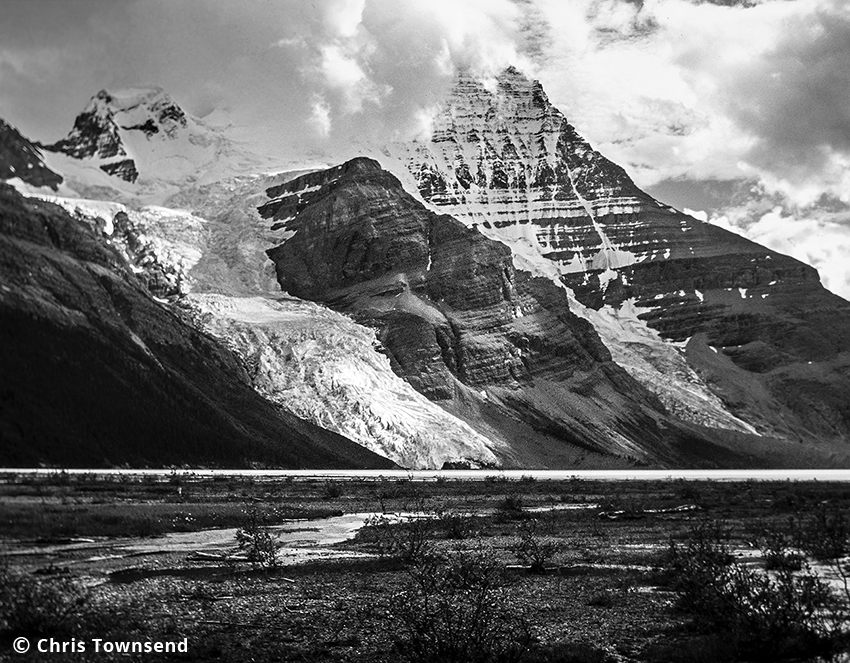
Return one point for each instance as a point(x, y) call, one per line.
point(507, 158)
point(143, 133)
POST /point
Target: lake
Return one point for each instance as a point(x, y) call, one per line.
point(467, 475)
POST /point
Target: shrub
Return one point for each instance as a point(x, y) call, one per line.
point(510, 508)
point(776, 549)
point(769, 616)
point(333, 489)
point(454, 609)
point(826, 537)
point(687, 490)
point(257, 539)
point(826, 534)
point(455, 525)
point(601, 600)
point(534, 550)
point(407, 540)
point(54, 606)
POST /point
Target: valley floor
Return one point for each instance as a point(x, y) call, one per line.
point(576, 571)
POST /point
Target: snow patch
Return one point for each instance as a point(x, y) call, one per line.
point(323, 367)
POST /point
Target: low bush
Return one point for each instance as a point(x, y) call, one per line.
point(601, 600)
point(533, 549)
point(769, 616)
point(333, 489)
point(455, 609)
point(30, 605)
point(825, 535)
point(455, 525)
point(510, 507)
point(257, 539)
point(58, 606)
point(777, 549)
point(407, 540)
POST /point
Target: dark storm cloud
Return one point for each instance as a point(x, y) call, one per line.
point(796, 98)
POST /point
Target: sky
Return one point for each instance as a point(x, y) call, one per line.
point(736, 110)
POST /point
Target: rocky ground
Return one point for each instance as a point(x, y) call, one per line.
point(523, 570)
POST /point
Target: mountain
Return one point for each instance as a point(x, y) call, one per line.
point(496, 345)
point(141, 136)
point(21, 159)
point(209, 265)
point(97, 372)
point(724, 331)
point(500, 294)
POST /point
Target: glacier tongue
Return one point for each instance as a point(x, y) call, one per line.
point(659, 366)
point(323, 367)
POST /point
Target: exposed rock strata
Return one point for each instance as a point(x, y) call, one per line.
point(463, 325)
point(509, 164)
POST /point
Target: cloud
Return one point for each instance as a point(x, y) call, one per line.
point(375, 64)
point(674, 90)
point(788, 91)
point(668, 88)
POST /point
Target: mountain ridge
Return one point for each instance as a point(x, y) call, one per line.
point(630, 262)
point(463, 326)
point(557, 316)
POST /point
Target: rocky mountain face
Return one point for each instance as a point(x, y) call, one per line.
point(97, 131)
point(97, 372)
point(527, 306)
point(19, 158)
point(727, 333)
point(143, 134)
point(497, 345)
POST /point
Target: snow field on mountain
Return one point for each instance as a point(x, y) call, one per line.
point(323, 367)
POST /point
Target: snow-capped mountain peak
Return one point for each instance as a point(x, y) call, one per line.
point(149, 110)
point(141, 135)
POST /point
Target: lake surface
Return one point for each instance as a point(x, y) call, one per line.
point(466, 475)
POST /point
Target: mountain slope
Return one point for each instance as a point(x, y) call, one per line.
point(19, 158)
point(496, 345)
point(211, 267)
point(98, 373)
point(727, 333)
